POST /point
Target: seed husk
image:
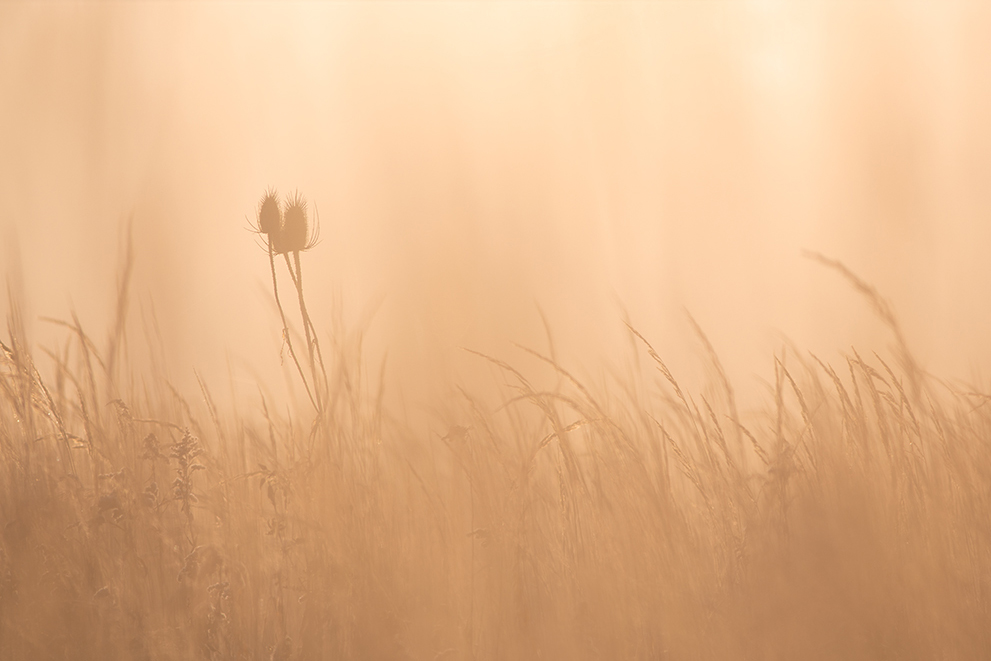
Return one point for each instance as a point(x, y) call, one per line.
point(269, 214)
point(295, 227)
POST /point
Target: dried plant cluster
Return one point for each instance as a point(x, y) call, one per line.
point(287, 230)
point(635, 520)
point(286, 224)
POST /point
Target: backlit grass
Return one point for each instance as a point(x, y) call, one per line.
point(849, 519)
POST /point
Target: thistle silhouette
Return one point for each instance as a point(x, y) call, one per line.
point(299, 236)
point(287, 229)
point(269, 213)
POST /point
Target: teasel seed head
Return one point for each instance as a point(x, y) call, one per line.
point(295, 234)
point(270, 214)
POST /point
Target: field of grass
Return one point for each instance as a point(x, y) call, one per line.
point(849, 520)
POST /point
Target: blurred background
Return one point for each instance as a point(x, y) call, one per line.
point(474, 164)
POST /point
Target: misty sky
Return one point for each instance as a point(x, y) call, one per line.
point(471, 161)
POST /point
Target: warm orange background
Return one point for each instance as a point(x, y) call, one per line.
point(473, 160)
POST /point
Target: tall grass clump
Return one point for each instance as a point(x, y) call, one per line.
point(627, 519)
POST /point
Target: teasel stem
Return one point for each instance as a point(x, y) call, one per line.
point(313, 346)
point(312, 334)
point(302, 307)
point(285, 326)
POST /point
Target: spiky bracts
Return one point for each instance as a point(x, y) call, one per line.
point(287, 229)
point(295, 227)
point(286, 224)
point(270, 213)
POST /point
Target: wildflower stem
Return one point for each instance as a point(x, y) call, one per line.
point(302, 309)
point(285, 326)
point(313, 346)
point(316, 357)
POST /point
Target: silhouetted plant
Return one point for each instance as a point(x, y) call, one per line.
point(297, 234)
point(270, 223)
point(270, 214)
point(185, 452)
point(288, 230)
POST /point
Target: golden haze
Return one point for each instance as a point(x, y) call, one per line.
point(491, 176)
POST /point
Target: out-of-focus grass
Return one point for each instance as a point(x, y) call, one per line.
point(851, 519)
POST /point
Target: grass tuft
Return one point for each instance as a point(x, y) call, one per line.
point(847, 519)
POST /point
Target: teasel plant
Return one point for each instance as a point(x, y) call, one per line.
point(298, 235)
point(287, 231)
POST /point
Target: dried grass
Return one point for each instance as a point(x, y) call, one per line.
point(849, 520)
